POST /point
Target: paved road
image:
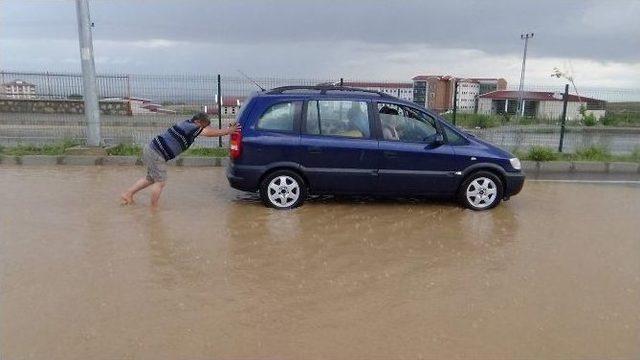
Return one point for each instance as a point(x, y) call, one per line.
point(553, 273)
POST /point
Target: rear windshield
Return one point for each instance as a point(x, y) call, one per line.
point(244, 107)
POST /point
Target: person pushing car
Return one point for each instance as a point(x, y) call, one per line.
point(167, 146)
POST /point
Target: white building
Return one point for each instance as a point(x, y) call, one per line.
point(467, 94)
point(402, 91)
point(230, 105)
point(19, 89)
point(539, 104)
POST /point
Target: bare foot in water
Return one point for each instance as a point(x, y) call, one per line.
point(126, 199)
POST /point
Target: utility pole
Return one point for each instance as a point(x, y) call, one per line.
point(520, 106)
point(91, 107)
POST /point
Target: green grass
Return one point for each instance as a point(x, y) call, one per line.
point(214, 152)
point(482, 121)
point(541, 153)
point(125, 150)
point(621, 119)
point(591, 153)
point(475, 120)
point(54, 149)
point(135, 150)
point(635, 155)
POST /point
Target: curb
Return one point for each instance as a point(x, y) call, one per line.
point(538, 167)
point(580, 167)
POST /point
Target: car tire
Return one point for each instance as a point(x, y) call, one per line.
point(283, 189)
point(482, 190)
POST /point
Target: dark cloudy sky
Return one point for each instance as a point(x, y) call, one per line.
point(598, 41)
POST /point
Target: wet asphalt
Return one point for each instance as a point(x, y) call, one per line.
point(552, 273)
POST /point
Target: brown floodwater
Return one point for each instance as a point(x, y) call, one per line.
point(553, 273)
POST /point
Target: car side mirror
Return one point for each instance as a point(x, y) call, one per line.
point(438, 139)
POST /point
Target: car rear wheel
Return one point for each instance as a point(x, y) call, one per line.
point(283, 189)
point(481, 191)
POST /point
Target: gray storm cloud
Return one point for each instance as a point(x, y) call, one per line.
point(324, 36)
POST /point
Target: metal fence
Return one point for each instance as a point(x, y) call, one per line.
point(41, 108)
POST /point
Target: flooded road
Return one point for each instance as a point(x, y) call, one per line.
point(553, 273)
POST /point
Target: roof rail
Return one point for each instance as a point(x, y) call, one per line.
point(323, 88)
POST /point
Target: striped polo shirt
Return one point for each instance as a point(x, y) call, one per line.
point(176, 139)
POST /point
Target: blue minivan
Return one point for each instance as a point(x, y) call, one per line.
point(301, 140)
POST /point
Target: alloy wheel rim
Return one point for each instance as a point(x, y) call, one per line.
point(283, 191)
point(482, 192)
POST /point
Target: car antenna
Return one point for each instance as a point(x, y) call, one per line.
point(253, 81)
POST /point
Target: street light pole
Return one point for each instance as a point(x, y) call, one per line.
point(520, 106)
point(90, 87)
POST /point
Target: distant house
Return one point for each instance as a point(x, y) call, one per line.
point(19, 89)
point(230, 105)
point(403, 91)
point(540, 104)
point(142, 106)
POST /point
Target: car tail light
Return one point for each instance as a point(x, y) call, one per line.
point(235, 145)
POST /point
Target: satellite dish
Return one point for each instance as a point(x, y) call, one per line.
point(557, 96)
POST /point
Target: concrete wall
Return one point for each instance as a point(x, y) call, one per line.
point(553, 110)
point(547, 109)
point(60, 106)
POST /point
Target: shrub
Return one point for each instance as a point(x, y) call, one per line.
point(587, 119)
point(593, 153)
point(610, 120)
point(541, 153)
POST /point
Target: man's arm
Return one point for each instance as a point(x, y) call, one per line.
point(213, 132)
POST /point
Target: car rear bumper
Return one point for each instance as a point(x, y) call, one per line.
point(513, 184)
point(245, 178)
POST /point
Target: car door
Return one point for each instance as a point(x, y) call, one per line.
point(337, 152)
point(414, 158)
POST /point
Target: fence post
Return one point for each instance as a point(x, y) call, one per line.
point(219, 101)
point(128, 87)
point(455, 99)
point(565, 99)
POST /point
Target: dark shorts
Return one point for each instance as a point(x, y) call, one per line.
point(156, 166)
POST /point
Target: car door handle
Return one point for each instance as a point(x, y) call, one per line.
point(390, 154)
point(314, 150)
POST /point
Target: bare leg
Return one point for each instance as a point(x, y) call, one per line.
point(156, 190)
point(127, 196)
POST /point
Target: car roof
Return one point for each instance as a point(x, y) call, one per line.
point(333, 91)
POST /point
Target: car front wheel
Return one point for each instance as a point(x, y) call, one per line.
point(481, 191)
point(283, 189)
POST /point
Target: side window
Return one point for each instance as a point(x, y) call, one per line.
point(401, 123)
point(453, 138)
point(279, 117)
point(338, 118)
